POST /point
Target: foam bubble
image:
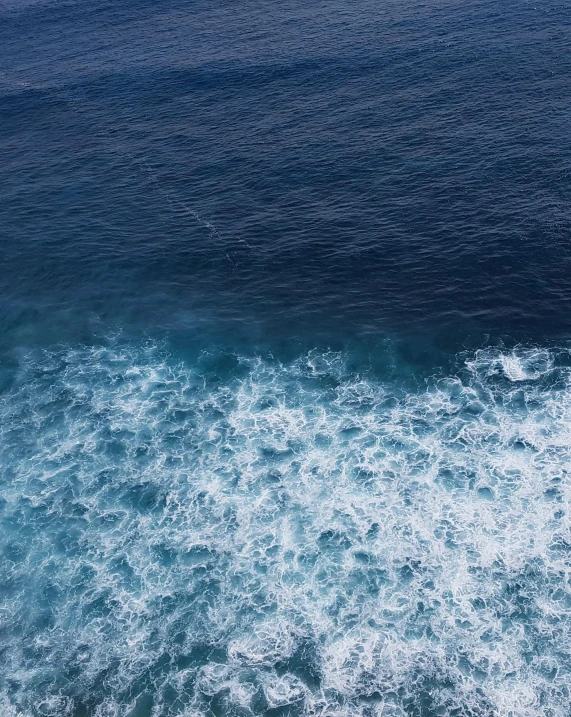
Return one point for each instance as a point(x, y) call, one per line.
point(288, 537)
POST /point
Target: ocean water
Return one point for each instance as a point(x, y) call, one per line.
point(285, 369)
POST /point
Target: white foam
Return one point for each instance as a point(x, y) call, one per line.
point(268, 643)
point(417, 544)
point(282, 691)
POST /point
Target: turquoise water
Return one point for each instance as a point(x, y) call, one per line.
point(285, 369)
point(248, 535)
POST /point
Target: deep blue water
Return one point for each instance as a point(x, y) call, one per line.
point(285, 370)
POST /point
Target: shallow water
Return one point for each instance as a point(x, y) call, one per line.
point(285, 373)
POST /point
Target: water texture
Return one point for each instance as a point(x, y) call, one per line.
point(294, 535)
point(285, 370)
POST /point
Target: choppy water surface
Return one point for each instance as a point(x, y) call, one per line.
point(285, 371)
point(285, 536)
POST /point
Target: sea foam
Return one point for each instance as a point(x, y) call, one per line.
point(285, 538)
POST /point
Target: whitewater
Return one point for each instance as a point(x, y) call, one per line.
point(243, 535)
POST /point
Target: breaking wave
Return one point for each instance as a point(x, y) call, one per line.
point(250, 537)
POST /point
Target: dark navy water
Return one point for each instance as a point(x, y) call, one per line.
point(285, 369)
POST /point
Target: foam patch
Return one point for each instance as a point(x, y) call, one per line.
point(178, 540)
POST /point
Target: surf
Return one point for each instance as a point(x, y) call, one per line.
point(296, 536)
